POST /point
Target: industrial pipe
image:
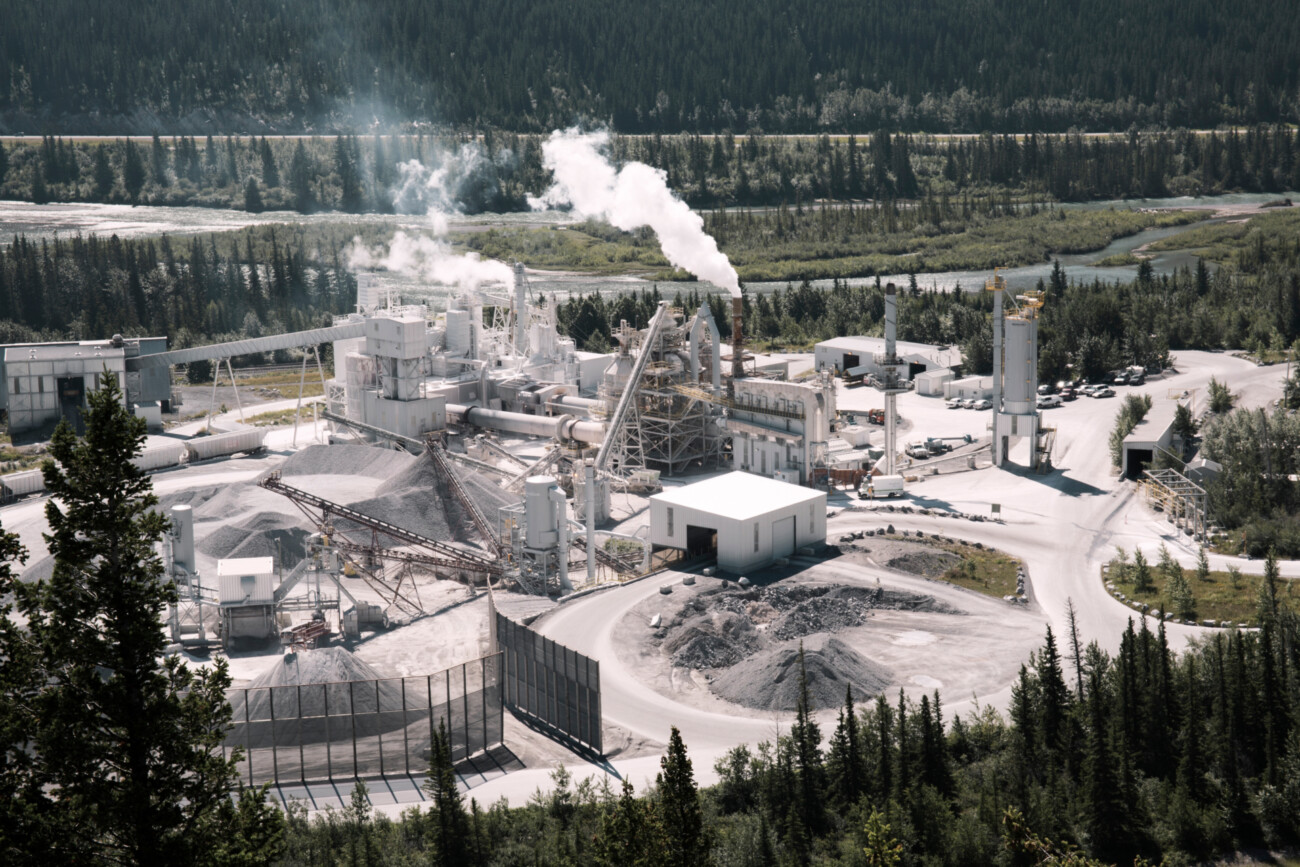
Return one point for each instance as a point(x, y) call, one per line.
point(590, 469)
point(564, 427)
point(556, 495)
point(572, 400)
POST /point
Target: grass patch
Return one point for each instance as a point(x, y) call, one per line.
point(278, 417)
point(781, 245)
point(277, 384)
point(1243, 243)
point(1119, 260)
point(1221, 596)
point(984, 570)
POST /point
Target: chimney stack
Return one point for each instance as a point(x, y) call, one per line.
point(737, 338)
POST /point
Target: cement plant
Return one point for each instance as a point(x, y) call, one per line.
point(559, 554)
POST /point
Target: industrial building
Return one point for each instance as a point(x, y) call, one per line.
point(864, 356)
point(1155, 432)
point(41, 383)
point(1015, 377)
point(747, 521)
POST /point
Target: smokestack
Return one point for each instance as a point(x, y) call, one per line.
point(521, 304)
point(737, 338)
point(891, 322)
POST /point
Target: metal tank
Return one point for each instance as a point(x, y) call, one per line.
point(540, 514)
point(183, 537)
point(1019, 371)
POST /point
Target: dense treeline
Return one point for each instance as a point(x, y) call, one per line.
point(1086, 329)
point(498, 172)
point(92, 65)
point(193, 291)
point(1140, 754)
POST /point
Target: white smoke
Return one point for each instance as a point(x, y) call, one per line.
point(431, 260)
point(436, 190)
point(636, 196)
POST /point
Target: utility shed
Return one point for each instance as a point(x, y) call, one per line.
point(749, 521)
point(1154, 431)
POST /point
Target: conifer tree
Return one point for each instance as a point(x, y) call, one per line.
point(125, 750)
point(630, 834)
point(450, 822)
point(844, 764)
point(679, 808)
point(103, 174)
point(132, 172)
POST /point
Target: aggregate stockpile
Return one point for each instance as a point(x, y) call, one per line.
point(243, 520)
point(303, 691)
point(748, 640)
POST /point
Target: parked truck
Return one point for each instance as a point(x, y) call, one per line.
point(880, 487)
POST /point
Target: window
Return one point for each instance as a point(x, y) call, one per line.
point(17, 386)
point(1014, 419)
point(40, 384)
point(670, 520)
point(755, 537)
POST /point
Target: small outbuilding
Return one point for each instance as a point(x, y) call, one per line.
point(747, 521)
point(931, 382)
point(1154, 432)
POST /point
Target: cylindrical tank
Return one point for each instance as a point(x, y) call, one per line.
point(1019, 369)
point(539, 513)
point(183, 529)
point(891, 321)
point(367, 292)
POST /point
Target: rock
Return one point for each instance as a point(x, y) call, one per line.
point(656, 621)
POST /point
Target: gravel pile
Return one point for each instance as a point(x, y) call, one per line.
point(346, 460)
point(712, 641)
point(830, 612)
point(769, 680)
point(930, 564)
point(257, 536)
point(301, 684)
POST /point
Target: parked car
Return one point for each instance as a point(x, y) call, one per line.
point(1068, 393)
point(1104, 392)
point(968, 403)
point(1089, 390)
point(983, 404)
point(955, 403)
point(1045, 388)
point(1048, 400)
point(1120, 378)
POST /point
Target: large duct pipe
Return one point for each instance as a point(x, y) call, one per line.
point(521, 306)
point(584, 403)
point(590, 469)
point(564, 427)
point(737, 338)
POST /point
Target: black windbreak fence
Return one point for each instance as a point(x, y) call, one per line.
point(551, 684)
point(364, 728)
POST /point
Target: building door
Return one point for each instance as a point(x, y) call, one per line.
point(783, 537)
point(72, 394)
point(851, 360)
point(701, 541)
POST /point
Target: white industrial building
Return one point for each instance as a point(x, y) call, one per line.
point(781, 429)
point(1156, 431)
point(41, 383)
point(973, 387)
point(930, 383)
point(866, 355)
point(748, 520)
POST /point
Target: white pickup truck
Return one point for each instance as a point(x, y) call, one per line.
point(879, 487)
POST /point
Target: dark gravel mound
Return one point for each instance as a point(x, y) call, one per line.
point(769, 680)
point(347, 460)
point(930, 564)
point(256, 537)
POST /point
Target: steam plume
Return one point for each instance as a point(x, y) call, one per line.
point(432, 260)
point(636, 196)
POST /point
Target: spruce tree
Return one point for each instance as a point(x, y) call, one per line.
point(630, 834)
point(679, 808)
point(132, 172)
point(450, 823)
point(125, 749)
point(103, 174)
point(844, 763)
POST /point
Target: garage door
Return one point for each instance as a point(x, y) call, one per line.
point(783, 537)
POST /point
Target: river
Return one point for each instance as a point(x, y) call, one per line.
point(40, 222)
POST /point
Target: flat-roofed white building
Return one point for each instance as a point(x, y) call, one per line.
point(852, 353)
point(749, 521)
